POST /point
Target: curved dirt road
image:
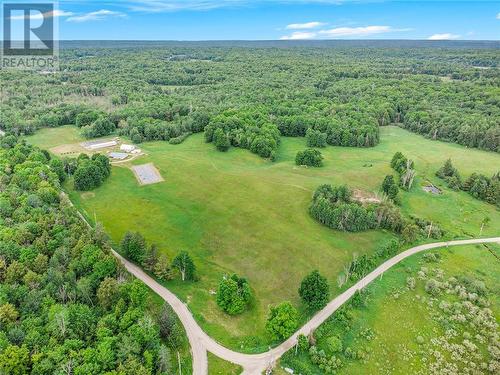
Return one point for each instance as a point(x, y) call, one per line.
point(255, 364)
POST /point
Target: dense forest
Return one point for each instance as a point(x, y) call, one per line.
point(66, 305)
point(249, 95)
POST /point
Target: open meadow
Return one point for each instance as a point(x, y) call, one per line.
point(235, 212)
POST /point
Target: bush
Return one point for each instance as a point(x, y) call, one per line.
point(433, 287)
point(334, 344)
point(233, 294)
point(450, 174)
point(309, 157)
point(302, 343)
point(282, 321)
point(178, 140)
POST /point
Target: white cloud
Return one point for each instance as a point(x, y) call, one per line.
point(444, 36)
point(299, 35)
point(96, 16)
point(357, 31)
point(201, 5)
point(39, 16)
point(498, 16)
point(307, 25)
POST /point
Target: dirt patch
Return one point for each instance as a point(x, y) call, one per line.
point(68, 150)
point(365, 196)
point(147, 174)
point(430, 188)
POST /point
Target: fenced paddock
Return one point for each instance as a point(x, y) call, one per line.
point(147, 174)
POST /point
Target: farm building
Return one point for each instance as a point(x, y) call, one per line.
point(118, 155)
point(103, 143)
point(127, 148)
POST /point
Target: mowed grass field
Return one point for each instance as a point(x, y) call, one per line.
point(235, 212)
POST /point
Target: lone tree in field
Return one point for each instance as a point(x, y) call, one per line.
point(282, 321)
point(133, 246)
point(184, 264)
point(314, 291)
point(233, 294)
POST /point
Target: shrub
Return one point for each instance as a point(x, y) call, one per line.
point(233, 294)
point(334, 344)
point(282, 321)
point(302, 343)
point(432, 287)
point(309, 157)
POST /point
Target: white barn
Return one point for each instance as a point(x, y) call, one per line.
point(127, 148)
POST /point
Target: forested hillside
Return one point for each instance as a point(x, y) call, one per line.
point(248, 95)
point(66, 305)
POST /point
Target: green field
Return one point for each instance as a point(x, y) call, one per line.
point(47, 138)
point(396, 315)
point(235, 212)
point(217, 366)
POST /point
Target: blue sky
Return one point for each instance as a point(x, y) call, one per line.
point(277, 19)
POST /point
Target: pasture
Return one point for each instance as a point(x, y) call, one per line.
point(235, 212)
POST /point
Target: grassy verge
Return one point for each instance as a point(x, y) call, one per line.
point(217, 366)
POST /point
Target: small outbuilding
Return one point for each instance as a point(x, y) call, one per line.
point(118, 155)
point(127, 148)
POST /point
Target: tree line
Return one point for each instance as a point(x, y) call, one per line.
point(477, 185)
point(66, 304)
point(334, 207)
point(152, 94)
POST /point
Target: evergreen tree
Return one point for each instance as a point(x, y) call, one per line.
point(133, 246)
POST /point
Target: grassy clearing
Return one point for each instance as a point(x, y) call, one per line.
point(396, 316)
point(48, 138)
point(238, 213)
point(217, 366)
